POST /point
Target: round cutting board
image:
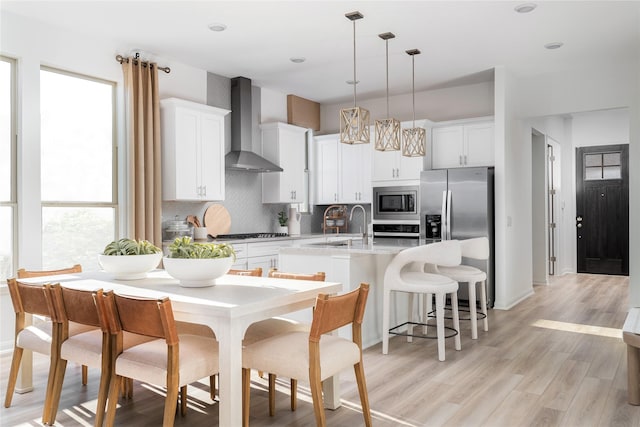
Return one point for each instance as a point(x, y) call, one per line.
point(217, 220)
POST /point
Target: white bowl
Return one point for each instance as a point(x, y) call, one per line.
point(197, 273)
point(129, 267)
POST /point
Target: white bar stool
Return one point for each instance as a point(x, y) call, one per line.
point(406, 273)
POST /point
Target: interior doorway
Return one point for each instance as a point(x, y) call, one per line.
point(602, 209)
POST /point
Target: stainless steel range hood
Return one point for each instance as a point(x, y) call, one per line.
point(241, 157)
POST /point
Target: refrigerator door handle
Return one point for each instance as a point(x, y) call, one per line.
point(444, 226)
point(448, 215)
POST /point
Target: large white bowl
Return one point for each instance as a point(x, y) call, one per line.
point(197, 273)
point(129, 267)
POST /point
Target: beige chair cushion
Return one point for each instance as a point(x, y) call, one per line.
point(148, 361)
point(270, 327)
point(463, 273)
point(38, 337)
point(86, 348)
point(336, 354)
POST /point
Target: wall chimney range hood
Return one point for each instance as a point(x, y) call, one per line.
point(241, 157)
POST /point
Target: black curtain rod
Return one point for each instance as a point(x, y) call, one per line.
point(122, 59)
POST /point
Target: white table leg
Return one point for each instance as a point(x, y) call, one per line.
point(331, 389)
point(230, 349)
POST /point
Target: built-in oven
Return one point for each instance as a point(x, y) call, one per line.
point(396, 203)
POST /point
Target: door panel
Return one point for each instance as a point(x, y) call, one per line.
point(469, 209)
point(602, 207)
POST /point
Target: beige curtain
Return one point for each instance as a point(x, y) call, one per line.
point(144, 150)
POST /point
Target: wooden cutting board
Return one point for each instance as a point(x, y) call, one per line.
point(217, 220)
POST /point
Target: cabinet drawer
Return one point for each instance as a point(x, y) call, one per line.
point(266, 248)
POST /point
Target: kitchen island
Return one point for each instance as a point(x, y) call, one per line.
point(350, 262)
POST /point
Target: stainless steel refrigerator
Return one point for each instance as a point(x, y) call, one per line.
point(458, 204)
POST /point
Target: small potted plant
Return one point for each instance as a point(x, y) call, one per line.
point(130, 259)
point(198, 264)
point(282, 222)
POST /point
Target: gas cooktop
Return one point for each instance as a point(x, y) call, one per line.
point(242, 236)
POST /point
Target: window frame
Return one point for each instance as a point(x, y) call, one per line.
point(13, 197)
point(115, 201)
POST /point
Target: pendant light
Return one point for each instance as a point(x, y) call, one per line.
point(414, 142)
point(354, 122)
point(387, 130)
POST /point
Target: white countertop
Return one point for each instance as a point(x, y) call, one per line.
point(342, 247)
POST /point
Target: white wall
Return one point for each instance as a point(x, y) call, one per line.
point(459, 102)
point(604, 127)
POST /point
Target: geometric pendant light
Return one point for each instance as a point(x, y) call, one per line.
point(414, 140)
point(387, 130)
point(354, 122)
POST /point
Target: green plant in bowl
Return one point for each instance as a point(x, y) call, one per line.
point(198, 264)
point(129, 259)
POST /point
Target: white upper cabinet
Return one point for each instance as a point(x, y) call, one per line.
point(393, 166)
point(342, 172)
point(325, 170)
point(463, 145)
point(284, 145)
point(192, 150)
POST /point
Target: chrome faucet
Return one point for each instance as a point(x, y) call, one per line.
point(365, 236)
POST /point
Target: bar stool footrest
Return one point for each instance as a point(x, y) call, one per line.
point(452, 332)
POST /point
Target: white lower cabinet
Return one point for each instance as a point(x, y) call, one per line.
point(241, 256)
point(265, 254)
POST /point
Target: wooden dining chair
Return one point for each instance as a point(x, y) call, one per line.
point(169, 360)
point(77, 268)
point(275, 326)
point(257, 272)
point(314, 355)
point(42, 337)
point(92, 348)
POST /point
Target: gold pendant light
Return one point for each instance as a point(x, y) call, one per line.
point(414, 140)
point(354, 122)
point(387, 130)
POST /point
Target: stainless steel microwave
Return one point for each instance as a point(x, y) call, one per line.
point(396, 203)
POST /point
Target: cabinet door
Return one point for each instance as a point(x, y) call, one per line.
point(264, 262)
point(292, 161)
point(187, 154)
point(447, 147)
point(385, 167)
point(409, 167)
point(212, 158)
point(326, 173)
point(479, 145)
point(355, 173)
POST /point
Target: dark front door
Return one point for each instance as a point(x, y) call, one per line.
point(602, 209)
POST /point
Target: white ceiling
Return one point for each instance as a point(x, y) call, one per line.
point(460, 41)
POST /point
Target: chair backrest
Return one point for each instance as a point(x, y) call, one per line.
point(24, 274)
point(257, 272)
point(447, 253)
point(142, 316)
point(335, 311)
point(29, 299)
point(477, 248)
point(317, 277)
point(74, 305)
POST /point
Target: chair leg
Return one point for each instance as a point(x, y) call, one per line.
point(246, 395)
point(428, 307)
point(85, 374)
point(272, 395)
point(473, 311)
point(112, 402)
point(13, 375)
point(183, 400)
point(440, 324)
point(483, 302)
point(54, 391)
point(410, 313)
point(385, 321)
point(103, 391)
point(170, 405)
point(212, 387)
point(294, 394)
point(316, 394)
point(364, 396)
point(456, 319)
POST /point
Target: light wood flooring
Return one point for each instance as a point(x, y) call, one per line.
point(539, 365)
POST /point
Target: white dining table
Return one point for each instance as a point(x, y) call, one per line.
point(228, 308)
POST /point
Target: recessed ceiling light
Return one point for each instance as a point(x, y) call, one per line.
point(297, 60)
point(216, 26)
point(554, 45)
point(525, 7)
point(350, 82)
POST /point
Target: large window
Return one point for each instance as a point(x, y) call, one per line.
point(79, 179)
point(7, 168)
